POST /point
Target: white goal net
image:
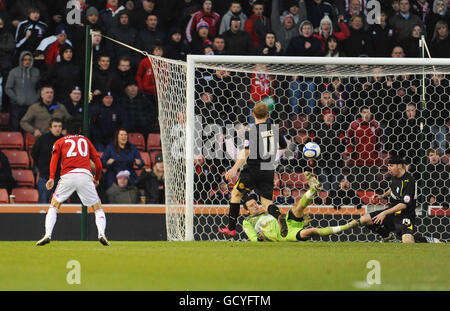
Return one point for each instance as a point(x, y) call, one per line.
point(359, 111)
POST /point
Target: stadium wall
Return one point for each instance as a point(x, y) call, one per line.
point(20, 222)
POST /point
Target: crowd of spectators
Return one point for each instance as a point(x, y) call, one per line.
point(42, 78)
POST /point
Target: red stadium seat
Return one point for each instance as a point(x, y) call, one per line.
point(31, 158)
point(4, 120)
point(17, 158)
point(11, 140)
point(29, 141)
point(24, 178)
point(138, 140)
point(153, 141)
point(25, 195)
point(4, 198)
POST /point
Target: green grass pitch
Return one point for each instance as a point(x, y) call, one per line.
point(224, 266)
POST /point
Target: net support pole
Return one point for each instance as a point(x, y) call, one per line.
point(87, 73)
point(189, 160)
point(422, 136)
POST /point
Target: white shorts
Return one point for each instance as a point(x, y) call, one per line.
point(82, 183)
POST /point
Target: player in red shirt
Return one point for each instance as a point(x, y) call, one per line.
point(75, 152)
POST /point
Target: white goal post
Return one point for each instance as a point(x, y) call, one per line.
point(179, 91)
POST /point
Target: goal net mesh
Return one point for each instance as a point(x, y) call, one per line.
point(358, 114)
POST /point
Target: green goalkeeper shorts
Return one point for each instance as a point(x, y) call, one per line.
point(294, 225)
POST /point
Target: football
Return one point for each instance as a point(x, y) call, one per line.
point(311, 150)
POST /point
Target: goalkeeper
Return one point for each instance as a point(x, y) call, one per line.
point(260, 226)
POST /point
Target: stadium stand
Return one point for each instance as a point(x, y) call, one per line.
point(24, 178)
point(29, 141)
point(17, 158)
point(25, 195)
point(4, 198)
point(138, 140)
point(4, 121)
point(153, 141)
point(11, 140)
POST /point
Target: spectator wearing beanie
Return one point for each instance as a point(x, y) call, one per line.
point(326, 30)
point(65, 74)
point(106, 118)
point(77, 33)
point(124, 33)
point(121, 191)
point(176, 48)
point(199, 38)
point(317, 9)
point(52, 45)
